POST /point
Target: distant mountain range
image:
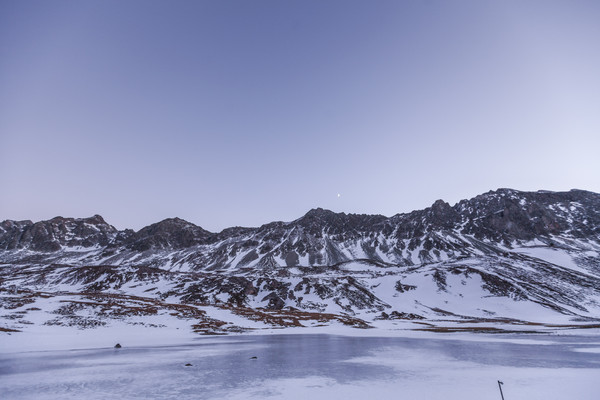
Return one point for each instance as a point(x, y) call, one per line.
point(506, 256)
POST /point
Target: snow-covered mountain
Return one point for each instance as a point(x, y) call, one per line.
point(504, 257)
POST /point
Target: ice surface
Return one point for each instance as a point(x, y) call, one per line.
point(313, 367)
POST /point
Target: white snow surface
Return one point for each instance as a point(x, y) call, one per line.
point(554, 256)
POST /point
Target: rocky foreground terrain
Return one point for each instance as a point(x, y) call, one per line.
point(502, 261)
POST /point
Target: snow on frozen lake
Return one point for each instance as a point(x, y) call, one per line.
point(314, 366)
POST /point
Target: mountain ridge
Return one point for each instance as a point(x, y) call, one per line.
point(505, 255)
point(437, 211)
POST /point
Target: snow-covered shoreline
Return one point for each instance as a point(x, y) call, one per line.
point(55, 338)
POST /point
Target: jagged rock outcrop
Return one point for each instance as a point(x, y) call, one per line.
point(52, 235)
point(172, 233)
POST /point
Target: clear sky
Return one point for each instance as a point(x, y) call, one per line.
point(243, 112)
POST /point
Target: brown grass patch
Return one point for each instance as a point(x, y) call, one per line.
point(292, 317)
point(8, 330)
point(473, 329)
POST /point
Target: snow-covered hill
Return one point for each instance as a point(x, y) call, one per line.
point(522, 260)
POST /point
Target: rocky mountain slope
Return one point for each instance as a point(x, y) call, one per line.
point(504, 257)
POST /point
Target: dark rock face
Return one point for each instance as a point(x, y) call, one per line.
point(318, 221)
point(172, 233)
point(442, 215)
point(51, 235)
point(507, 213)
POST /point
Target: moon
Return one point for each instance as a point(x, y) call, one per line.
point(339, 195)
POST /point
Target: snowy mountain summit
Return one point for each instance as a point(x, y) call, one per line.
point(503, 260)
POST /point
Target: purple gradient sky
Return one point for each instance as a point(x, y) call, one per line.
point(243, 112)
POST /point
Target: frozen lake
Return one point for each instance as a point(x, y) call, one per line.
point(310, 366)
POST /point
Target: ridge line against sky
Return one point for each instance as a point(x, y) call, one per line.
point(290, 220)
point(241, 113)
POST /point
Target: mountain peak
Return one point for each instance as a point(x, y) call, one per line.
point(440, 205)
point(95, 219)
point(320, 212)
point(174, 221)
point(168, 233)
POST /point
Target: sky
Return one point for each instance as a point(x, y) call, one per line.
point(238, 113)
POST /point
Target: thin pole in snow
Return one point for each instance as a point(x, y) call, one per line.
point(500, 387)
